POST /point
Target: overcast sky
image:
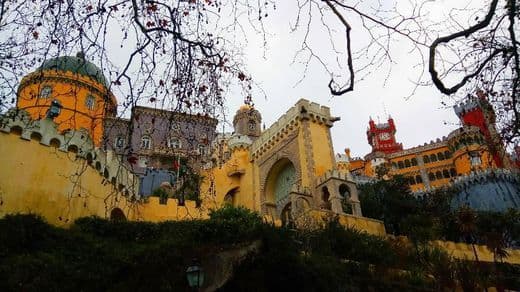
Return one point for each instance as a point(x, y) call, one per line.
point(419, 118)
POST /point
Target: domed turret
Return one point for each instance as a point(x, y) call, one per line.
point(247, 121)
point(76, 65)
point(76, 84)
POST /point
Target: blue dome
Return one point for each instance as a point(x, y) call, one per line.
point(76, 65)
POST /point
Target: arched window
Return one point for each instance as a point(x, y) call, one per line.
point(426, 159)
point(394, 165)
point(433, 158)
point(146, 142)
point(411, 180)
point(447, 154)
point(418, 179)
point(202, 149)
point(407, 163)
point(453, 172)
point(400, 164)
point(431, 176)
point(230, 197)
point(446, 173)
point(119, 143)
point(344, 191)
point(174, 143)
point(414, 161)
point(440, 156)
point(46, 91)
point(438, 175)
point(325, 195)
point(90, 102)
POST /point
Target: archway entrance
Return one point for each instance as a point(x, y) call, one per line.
point(117, 215)
point(279, 183)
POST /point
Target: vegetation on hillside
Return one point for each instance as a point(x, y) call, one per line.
point(431, 217)
point(98, 255)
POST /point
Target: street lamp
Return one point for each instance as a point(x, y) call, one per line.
point(195, 275)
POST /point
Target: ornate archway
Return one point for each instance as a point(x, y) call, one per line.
point(278, 185)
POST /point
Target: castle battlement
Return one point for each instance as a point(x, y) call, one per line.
point(107, 163)
point(334, 174)
point(288, 122)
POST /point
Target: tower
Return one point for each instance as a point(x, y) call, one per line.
point(382, 137)
point(478, 112)
point(78, 86)
point(247, 121)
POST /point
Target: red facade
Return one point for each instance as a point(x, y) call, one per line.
point(382, 137)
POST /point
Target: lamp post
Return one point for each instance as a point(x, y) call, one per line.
point(195, 275)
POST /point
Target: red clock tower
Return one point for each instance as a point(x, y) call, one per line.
point(382, 137)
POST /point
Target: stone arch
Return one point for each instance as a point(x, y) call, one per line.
point(98, 166)
point(286, 215)
point(36, 136)
point(73, 148)
point(230, 197)
point(55, 142)
point(325, 198)
point(17, 130)
point(346, 193)
point(283, 166)
point(90, 158)
point(117, 215)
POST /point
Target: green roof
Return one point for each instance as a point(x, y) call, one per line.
point(75, 65)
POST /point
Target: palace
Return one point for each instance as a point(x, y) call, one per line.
point(474, 147)
point(66, 154)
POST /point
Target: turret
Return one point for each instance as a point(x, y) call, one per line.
point(247, 121)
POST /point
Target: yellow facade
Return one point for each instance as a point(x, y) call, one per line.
point(85, 102)
point(56, 168)
point(432, 165)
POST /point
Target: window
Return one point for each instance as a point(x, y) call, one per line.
point(143, 162)
point(440, 156)
point(418, 179)
point(202, 149)
point(446, 173)
point(176, 126)
point(252, 125)
point(438, 175)
point(46, 91)
point(453, 172)
point(400, 164)
point(90, 102)
point(426, 159)
point(433, 158)
point(174, 143)
point(394, 165)
point(431, 176)
point(414, 162)
point(475, 158)
point(411, 180)
point(120, 142)
point(447, 154)
point(146, 142)
point(407, 163)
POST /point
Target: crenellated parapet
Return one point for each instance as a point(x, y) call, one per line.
point(433, 144)
point(334, 174)
point(107, 163)
point(239, 142)
point(290, 122)
point(486, 176)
